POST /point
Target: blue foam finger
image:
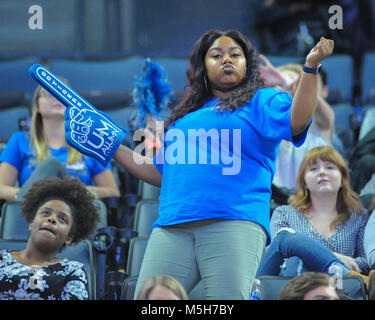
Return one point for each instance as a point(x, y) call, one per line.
point(88, 130)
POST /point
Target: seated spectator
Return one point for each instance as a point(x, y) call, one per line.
point(309, 286)
point(327, 210)
point(162, 287)
point(60, 212)
point(314, 256)
point(43, 153)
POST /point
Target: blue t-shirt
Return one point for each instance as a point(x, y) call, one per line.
point(227, 172)
point(18, 153)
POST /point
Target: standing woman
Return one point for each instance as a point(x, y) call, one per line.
point(29, 157)
point(214, 207)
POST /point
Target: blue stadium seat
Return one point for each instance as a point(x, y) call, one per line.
point(281, 60)
point(342, 115)
point(176, 72)
point(128, 288)
point(368, 78)
point(14, 75)
point(148, 191)
point(137, 250)
point(107, 84)
point(340, 78)
point(146, 213)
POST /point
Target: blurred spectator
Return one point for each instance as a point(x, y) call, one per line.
point(162, 287)
point(309, 286)
point(288, 27)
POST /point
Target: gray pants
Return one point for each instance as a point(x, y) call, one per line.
point(49, 167)
point(224, 254)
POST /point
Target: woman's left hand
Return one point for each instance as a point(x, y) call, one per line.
point(322, 50)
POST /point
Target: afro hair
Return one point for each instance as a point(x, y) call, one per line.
point(71, 191)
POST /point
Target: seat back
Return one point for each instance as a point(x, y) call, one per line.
point(137, 250)
point(368, 79)
point(16, 78)
point(13, 117)
point(148, 191)
point(116, 75)
point(81, 252)
point(146, 213)
point(128, 288)
point(342, 115)
point(12, 225)
point(340, 79)
point(271, 286)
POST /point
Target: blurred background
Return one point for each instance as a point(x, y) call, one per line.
point(100, 45)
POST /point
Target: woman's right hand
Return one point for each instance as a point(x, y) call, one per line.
point(349, 261)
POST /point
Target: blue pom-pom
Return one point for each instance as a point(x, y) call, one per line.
point(152, 93)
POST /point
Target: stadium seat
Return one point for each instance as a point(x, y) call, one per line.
point(104, 75)
point(281, 60)
point(12, 225)
point(368, 79)
point(107, 84)
point(137, 250)
point(81, 252)
point(13, 117)
point(148, 191)
point(176, 72)
point(146, 212)
point(340, 78)
point(271, 286)
point(15, 77)
point(128, 288)
point(342, 115)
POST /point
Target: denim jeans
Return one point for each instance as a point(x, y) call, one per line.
point(300, 252)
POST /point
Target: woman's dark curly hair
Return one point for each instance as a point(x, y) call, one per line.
point(198, 93)
point(71, 191)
